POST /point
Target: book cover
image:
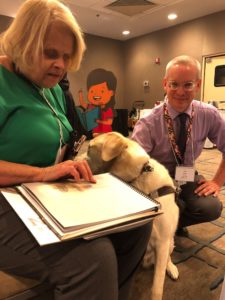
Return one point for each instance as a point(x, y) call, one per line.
point(88, 117)
point(78, 209)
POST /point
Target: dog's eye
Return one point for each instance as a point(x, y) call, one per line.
point(147, 168)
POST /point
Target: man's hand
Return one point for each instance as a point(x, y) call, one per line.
point(207, 188)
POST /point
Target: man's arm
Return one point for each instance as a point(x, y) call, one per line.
point(213, 186)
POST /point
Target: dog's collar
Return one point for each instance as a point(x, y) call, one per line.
point(165, 190)
point(146, 168)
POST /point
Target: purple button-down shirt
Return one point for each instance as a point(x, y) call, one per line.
point(152, 134)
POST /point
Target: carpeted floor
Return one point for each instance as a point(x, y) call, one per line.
point(200, 258)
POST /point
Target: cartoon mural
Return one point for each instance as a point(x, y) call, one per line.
point(99, 108)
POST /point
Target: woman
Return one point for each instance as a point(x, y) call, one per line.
point(41, 45)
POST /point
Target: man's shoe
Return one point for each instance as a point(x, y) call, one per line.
point(182, 231)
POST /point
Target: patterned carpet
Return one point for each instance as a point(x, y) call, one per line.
point(199, 258)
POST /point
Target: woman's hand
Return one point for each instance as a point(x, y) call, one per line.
point(69, 168)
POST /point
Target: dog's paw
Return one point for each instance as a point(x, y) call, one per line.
point(172, 271)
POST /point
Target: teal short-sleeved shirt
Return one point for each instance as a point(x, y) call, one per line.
point(29, 130)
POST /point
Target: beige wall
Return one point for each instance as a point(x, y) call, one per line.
point(133, 61)
point(101, 53)
point(4, 22)
point(197, 38)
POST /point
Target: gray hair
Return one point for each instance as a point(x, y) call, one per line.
point(184, 60)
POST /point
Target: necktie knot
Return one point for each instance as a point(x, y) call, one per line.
point(182, 117)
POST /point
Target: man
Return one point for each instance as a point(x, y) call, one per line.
point(159, 134)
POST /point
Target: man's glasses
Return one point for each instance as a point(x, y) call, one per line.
point(187, 86)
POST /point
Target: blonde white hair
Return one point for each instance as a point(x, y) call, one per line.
point(23, 41)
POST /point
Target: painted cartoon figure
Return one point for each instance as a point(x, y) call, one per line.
point(101, 86)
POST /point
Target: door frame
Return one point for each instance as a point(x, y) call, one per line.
point(204, 59)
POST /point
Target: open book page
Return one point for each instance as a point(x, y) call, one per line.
point(76, 204)
point(50, 234)
point(73, 210)
point(88, 117)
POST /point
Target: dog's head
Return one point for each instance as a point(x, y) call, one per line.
point(112, 152)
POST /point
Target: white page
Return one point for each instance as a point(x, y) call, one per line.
point(30, 218)
point(75, 204)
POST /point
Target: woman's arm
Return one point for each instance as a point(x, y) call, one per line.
point(12, 173)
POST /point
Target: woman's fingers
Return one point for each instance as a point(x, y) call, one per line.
point(76, 169)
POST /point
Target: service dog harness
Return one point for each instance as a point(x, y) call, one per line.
point(165, 190)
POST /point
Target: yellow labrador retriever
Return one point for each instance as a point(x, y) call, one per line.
point(112, 152)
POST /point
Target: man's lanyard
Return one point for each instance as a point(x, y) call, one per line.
point(171, 133)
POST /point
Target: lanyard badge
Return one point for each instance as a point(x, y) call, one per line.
point(184, 174)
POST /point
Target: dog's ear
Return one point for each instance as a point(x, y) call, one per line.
point(113, 146)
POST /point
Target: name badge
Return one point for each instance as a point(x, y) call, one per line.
point(185, 174)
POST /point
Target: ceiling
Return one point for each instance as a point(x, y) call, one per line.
point(138, 16)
